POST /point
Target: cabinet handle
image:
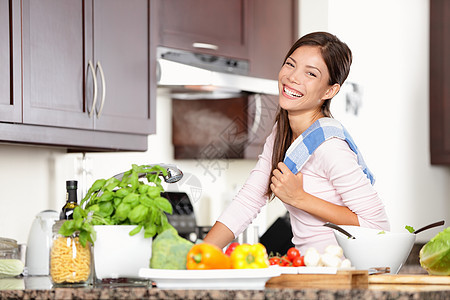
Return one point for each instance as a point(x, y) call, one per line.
point(95, 88)
point(205, 46)
point(102, 76)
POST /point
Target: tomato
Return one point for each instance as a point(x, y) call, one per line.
point(284, 261)
point(274, 261)
point(293, 253)
point(299, 261)
point(231, 248)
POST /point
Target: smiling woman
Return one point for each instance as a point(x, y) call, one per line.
point(310, 162)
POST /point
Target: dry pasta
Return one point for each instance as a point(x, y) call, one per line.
point(70, 262)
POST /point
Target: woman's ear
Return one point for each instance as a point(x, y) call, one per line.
point(332, 91)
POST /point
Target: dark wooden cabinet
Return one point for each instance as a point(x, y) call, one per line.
point(218, 27)
point(86, 65)
point(56, 56)
point(10, 71)
point(273, 30)
point(260, 32)
point(440, 82)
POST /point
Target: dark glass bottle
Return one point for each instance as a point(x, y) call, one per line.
point(71, 200)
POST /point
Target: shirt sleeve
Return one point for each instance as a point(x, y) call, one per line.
point(252, 196)
point(340, 164)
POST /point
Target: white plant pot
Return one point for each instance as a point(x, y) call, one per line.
point(119, 255)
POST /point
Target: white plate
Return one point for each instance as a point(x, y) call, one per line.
point(310, 270)
point(248, 279)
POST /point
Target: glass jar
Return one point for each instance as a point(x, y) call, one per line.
point(9, 249)
point(70, 262)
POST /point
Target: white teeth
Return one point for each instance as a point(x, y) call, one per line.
point(291, 93)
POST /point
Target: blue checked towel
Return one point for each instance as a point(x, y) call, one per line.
point(320, 131)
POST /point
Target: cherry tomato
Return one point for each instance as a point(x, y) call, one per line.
point(293, 253)
point(274, 261)
point(299, 261)
point(284, 261)
point(231, 248)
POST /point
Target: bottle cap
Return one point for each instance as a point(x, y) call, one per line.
point(71, 184)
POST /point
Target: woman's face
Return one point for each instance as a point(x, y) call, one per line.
point(303, 81)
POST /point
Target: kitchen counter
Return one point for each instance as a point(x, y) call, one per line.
point(40, 288)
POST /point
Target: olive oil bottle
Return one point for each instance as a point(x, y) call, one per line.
point(71, 200)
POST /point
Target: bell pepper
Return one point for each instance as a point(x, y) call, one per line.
point(206, 256)
point(231, 248)
point(247, 256)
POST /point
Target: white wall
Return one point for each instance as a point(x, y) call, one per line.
point(389, 40)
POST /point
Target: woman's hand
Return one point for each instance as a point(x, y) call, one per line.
point(287, 186)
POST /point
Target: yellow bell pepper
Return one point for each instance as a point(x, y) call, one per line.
point(247, 256)
point(206, 256)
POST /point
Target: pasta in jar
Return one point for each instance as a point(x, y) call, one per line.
point(70, 262)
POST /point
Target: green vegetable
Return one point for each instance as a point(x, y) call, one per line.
point(169, 251)
point(435, 255)
point(382, 232)
point(410, 228)
point(125, 202)
point(10, 267)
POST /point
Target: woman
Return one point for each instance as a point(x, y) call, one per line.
point(309, 160)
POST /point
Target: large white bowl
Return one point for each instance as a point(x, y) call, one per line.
point(375, 248)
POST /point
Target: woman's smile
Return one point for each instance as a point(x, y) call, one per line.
point(291, 93)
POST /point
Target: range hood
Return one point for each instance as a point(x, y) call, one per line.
point(213, 76)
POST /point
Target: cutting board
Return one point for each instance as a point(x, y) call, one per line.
point(348, 278)
point(409, 279)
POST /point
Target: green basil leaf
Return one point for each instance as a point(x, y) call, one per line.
point(164, 204)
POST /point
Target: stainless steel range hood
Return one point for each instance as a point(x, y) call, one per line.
point(211, 75)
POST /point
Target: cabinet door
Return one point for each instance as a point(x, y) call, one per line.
point(273, 31)
point(53, 69)
point(218, 27)
point(440, 82)
point(121, 54)
point(10, 71)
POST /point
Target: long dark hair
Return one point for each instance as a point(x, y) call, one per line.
point(338, 58)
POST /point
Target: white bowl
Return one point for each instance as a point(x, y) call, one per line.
point(375, 248)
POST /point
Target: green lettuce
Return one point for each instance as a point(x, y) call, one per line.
point(435, 255)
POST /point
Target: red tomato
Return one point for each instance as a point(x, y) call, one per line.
point(284, 261)
point(231, 248)
point(274, 261)
point(299, 261)
point(293, 253)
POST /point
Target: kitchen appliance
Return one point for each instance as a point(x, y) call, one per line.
point(183, 216)
point(39, 243)
point(215, 76)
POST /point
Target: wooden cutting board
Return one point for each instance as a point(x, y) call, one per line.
point(409, 279)
point(350, 278)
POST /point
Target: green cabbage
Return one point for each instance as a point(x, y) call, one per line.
point(435, 255)
point(169, 251)
point(10, 267)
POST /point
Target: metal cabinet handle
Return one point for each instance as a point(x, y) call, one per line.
point(102, 76)
point(205, 46)
point(95, 88)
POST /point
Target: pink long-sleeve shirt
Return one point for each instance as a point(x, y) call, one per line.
point(332, 173)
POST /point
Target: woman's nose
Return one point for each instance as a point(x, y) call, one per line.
point(294, 77)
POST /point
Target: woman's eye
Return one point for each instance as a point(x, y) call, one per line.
point(289, 64)
point(312, 74)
